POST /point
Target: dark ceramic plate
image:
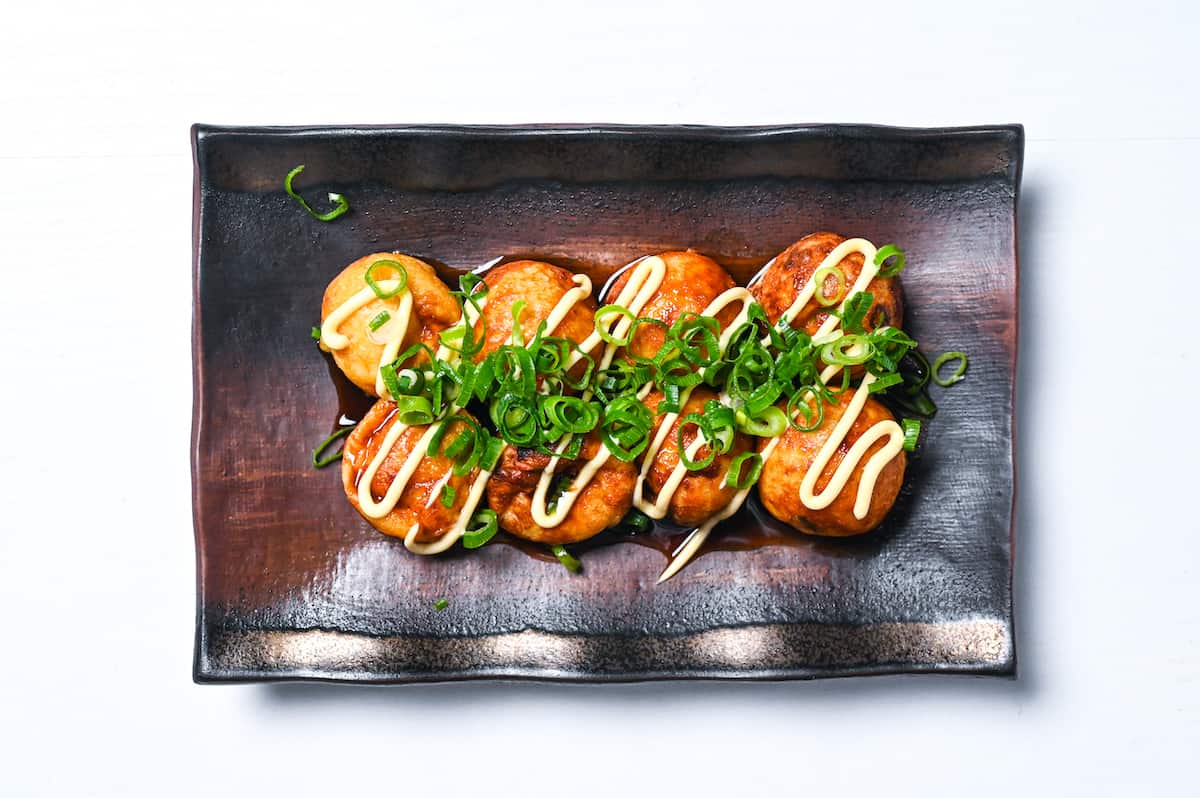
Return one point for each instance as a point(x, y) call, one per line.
point(293, 584)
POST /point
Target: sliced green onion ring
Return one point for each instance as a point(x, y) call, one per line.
point(798, 405)
point(734, 477)
point(897, 264)
point(320, 462)
point(340, 203)
point(604, 326)
point(838, 353)
point(448, 495)
point(482, 528)
point(771, 423)
point(823, 299)
point(401, 281)
point(689, 463)
point(943, 359)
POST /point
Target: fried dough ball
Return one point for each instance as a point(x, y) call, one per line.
point(691, 283)
point(420, 502)
point(701, 494)
point(795, 266)
point(434, 309)
point(601, 504)
point(779, 484)
point(541, 286)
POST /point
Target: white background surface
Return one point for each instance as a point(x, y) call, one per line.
point(96, 558)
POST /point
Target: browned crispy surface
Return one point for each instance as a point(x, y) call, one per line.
point(779, 486)
point(601, 504)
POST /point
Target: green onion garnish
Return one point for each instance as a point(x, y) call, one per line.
point(483, 527)
point(942, 360)
point(441, 604)
point(734, 477)
point(320, 462)
point(340, 203)
point(316, 333)
point(448, 495)
point(849, 350)
point(855, 311)
point(912, 431)
point(688, 463)
point(896, 266)
point(603, 325)
point(798, 405)
point(402, 279)
point(380, 319)
point(636, 522)
point(770, 424)
point(823, 299)
point(570, 563)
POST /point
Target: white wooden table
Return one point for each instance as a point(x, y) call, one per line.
point(96, 558)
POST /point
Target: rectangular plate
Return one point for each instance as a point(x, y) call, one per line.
point(294, 585)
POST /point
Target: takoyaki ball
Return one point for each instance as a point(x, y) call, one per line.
point(434, 309)
point(421, 500)
point(691, 283)
point(779, 484)
point(701, 493)
point(601, 504)
point(795, 266)
point(541, 286)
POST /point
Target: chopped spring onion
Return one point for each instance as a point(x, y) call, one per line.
point(770, 424)
point(414, 410)
point(912, 431)
point(798, 405)
point(824, 299)
point(943, 359)
point(689, 463)
point(855, 311)
point(625, 429)
point(604, 324)
point(441, 604)
point(885, 382)
point(896, 266)
point(636, 522)
point(570, 563)
point(340, 203)
point(517, 308)
point(448, 495)
point(734, 477)
point(316, 333)
point(849, 350)
point(483, 527)
point(383, 263)
point(380, 319)
point(318, 460)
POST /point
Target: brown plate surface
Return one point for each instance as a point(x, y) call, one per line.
point(293, 584)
